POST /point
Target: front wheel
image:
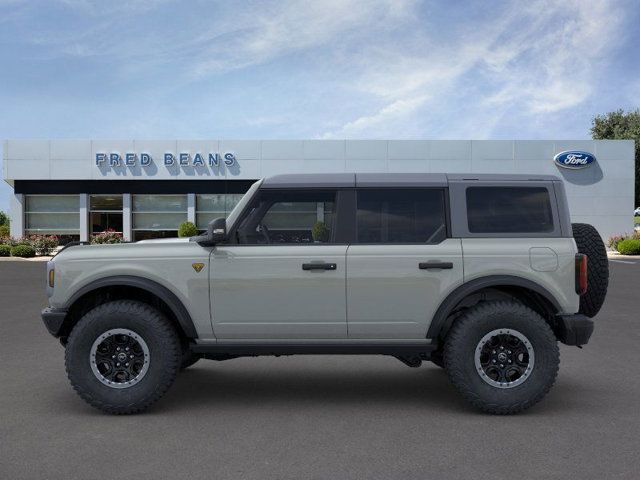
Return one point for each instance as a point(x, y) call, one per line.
point(122, 356)
point(502, 356)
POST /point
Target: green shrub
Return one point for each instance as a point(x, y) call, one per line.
point(630, 246)
point(4, 231)
point(25, 251)
point(106, 237)
point(43, 244)
point(5, 250)
point(320, 232)
point(187, 229)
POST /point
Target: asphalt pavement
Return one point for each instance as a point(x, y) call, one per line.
point(333, 417)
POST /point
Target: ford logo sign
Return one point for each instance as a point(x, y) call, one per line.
point(574, 159)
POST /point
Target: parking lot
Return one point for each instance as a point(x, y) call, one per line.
point(318, 417)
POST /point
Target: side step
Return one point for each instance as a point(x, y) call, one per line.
point(398, 349)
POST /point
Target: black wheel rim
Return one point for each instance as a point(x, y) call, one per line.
point(504, 358)
point(119, 358)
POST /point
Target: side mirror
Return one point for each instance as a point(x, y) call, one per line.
point(216, 233)
point(217, 230)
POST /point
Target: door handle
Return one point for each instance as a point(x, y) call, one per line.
point(435, 265)
point(319, 266)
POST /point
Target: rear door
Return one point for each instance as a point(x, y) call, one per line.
point(402, 264)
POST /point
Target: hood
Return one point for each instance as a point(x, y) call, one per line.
point(161, 247)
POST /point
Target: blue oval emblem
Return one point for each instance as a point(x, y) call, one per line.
point(574, 159)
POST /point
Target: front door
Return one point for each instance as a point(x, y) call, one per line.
point(283, 275)
point(402, 264)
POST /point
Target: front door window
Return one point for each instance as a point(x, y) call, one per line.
point(289, 217)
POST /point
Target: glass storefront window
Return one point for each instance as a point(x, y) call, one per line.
point(160, 203)
point(106, 213)
point(105, 203)
point(211, 206)
point(158, 215)
point(52, 214)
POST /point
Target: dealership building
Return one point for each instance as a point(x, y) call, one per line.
point(146, 188)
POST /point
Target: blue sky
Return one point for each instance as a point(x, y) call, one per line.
point(321, 69)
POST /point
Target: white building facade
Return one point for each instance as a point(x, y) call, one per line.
point(146, 188)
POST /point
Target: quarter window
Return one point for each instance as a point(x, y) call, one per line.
point(401, 216)
point(509, 210)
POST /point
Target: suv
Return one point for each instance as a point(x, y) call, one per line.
point(480, 274)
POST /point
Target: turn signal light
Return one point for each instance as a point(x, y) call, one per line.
point(52, 277)
point(581, 274)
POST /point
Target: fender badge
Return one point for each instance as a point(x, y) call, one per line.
point(198, 266)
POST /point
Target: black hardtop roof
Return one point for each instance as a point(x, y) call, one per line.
point(346, 180)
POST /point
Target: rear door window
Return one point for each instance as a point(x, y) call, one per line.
point(509, 210)
point(401, 215)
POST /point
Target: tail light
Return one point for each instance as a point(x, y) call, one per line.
point(581, 274)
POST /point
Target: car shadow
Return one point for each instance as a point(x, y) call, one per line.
point(212, 385)
point(209, 386)
point(223, 386)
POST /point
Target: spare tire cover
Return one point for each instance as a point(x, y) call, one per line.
point(590, 243)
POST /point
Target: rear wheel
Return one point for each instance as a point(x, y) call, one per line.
point(590, 243)
point(122, 356)
point(502, 356)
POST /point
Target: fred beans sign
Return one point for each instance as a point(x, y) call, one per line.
point(183, 159)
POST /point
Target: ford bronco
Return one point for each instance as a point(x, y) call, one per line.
point(480, 274)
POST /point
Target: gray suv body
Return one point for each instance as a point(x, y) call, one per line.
point(481, 274)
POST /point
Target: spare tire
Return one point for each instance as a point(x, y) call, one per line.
point(590, 243)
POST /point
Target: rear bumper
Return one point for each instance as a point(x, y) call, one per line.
point(574, 329)
point(53, 319)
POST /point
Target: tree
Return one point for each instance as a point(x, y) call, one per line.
point(620, 125)
point(4, 218)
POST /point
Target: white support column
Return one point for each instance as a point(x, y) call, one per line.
point(320, 212)
point(84, 217)
point(191, 207)
point(127, 233)
point(16, 210)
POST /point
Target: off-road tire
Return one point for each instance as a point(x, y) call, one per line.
point(590, 243)
point(464, 337)
point(164, 352)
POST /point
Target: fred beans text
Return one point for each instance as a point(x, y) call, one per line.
point(182, 159)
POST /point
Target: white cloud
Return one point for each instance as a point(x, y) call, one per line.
point(293, 26)
point(395, 66)
point(541, 58)
point(553, 64)
point(395, 110)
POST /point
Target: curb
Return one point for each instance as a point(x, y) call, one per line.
point(18, 259)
